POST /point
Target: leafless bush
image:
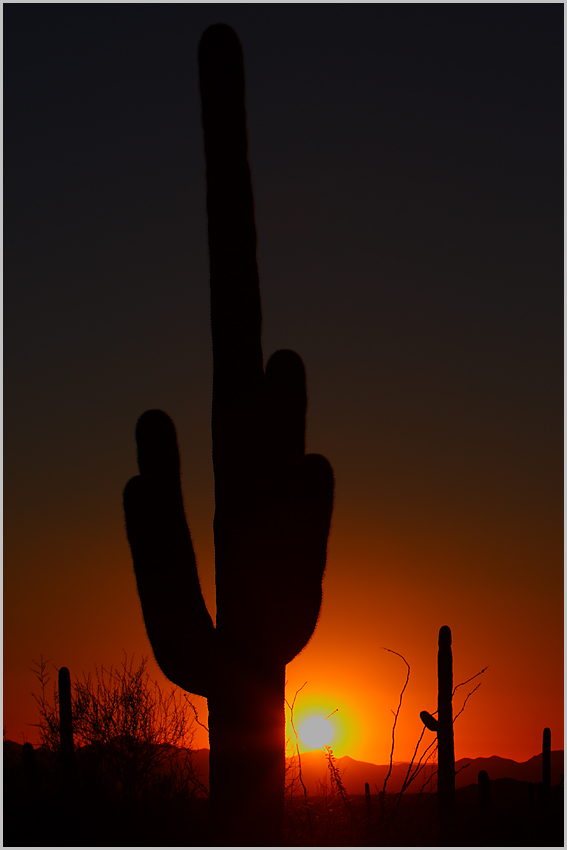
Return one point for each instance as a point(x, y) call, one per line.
point(131, 733)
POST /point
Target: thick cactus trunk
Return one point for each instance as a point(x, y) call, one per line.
point(247, 761)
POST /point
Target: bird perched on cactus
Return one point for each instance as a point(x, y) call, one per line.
point(273, 502)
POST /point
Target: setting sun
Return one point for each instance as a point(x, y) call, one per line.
point(315, 732)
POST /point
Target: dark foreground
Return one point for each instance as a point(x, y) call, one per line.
point(38, 813)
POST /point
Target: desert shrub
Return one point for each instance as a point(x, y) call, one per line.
point(130, 735)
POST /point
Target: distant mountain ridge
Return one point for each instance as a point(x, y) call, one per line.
point(354, 774)
point(314, 770)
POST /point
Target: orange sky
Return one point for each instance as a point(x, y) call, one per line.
point(381, 589)
point(407, 170)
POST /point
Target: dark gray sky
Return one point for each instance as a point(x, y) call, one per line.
point(407, 169)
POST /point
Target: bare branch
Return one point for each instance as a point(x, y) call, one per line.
point(300, 774)
point(197, 721)
point(421, 763)
point(396, 713)
point(462, 768)
point(466, 700)
point(405, 783)
point(460, 685)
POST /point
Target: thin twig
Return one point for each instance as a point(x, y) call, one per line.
point(197, 721)
point(396, 713)
point(300, 775)
point(468, 680)
point(462, 767)
point(405, 783)
point(466, 700)
point(432, 776)
point(421, 764)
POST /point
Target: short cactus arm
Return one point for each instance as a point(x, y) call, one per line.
point(429, 721)
point(177, 621)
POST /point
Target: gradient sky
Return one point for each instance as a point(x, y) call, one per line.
point(407, 169)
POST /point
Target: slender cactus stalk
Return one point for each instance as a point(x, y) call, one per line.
point(273, 502)
point(445, 741)
point(66, 745)
point(443, 726)
point(546, 768)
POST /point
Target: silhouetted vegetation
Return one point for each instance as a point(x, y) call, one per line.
point(273, 502)
point(133, 787)
point(115, 759)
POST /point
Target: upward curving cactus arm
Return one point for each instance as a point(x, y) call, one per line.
point(179, 626)
point(273, 502)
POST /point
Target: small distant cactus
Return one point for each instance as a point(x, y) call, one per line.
point(30, 770)
point(485, 808)
point(484, 794)
point(546, 768)
point(443, 726)
point(66, 745)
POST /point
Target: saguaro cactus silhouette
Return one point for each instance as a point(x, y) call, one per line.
point(546, 769)
point(443, 725)
point(273, 502)
point(66, 745)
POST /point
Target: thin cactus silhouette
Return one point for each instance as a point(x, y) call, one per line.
point(273, 502)
point(367, 797)
point(443, 726)
point(484, 793)
point(485, 807)
point(546, 768)
point(30, 771)
point(66, 745)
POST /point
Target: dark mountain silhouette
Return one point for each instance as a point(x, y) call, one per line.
point(355, 773)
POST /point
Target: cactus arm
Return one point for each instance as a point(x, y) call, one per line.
point(429, 721)
point(176, 617)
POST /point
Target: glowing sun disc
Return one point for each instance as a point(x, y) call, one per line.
point(315, 732)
